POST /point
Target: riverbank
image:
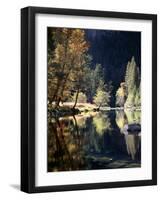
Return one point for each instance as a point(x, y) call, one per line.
point(66, 109)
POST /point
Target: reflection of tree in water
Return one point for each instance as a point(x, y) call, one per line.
point(132, 138)
point(121, 119)
point(63, 146)
point(101, 123)
point(132, 144)
point(71, 139)
point(133, 116)
point(92, 142)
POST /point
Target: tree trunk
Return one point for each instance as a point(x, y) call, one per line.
point(99, 106)
point(76, 125)
point(58, 102)
point(76, 98)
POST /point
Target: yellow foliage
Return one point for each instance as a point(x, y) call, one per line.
point(120, 92)
point(121, 119)
point(120, 122)
point(59, 53)
point(71, 147)
point(102, 123)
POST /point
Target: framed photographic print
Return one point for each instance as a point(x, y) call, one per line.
point(88, 99)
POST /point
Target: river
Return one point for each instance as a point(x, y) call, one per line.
point(98, 140)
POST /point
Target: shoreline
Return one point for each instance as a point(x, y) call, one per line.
point(85, 108)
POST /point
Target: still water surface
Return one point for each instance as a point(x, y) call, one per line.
point(100, 140)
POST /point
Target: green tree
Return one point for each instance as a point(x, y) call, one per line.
point(131, 76)
point(94, 78)
point(101, 98)
point(132, 83)
point(137, 98)
point(130, 102)
point(81, 97)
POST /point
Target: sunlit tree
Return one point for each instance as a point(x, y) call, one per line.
point(128, 94)
point(81, 97)
point(66, 63)
point(102, 97)
point(121, 95)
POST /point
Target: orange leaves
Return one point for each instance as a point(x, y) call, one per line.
point(72, 44)
point(77, 42)
point(68, 62)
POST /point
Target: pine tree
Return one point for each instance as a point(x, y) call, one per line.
point(132, 82)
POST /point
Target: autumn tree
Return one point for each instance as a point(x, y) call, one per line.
point(66, 63)
point(121, 95)
point(58, 62)
point(79, 48)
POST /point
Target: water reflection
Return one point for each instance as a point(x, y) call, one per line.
point(129, 124)
point(100, 140)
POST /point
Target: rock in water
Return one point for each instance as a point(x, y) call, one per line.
point(131, 129)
